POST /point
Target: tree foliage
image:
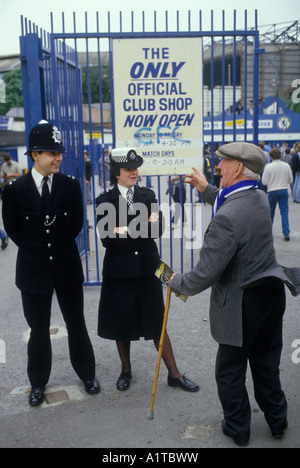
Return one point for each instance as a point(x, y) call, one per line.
point(13, 88)
point(92, 75)
point(13, 91)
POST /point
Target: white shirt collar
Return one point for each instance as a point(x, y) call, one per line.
point(38, 179)
point(123, 190)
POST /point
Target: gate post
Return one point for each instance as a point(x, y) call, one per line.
point(256, 53)
point(32, 81)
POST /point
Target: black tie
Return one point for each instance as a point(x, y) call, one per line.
point(45, 190)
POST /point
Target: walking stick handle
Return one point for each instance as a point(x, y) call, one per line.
point(160, 350)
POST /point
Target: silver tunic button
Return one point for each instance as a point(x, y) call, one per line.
point(136, 253)
point(48, 231)
point(49, 245)
point(51, 258)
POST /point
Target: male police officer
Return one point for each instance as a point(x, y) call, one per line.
point(43, 214)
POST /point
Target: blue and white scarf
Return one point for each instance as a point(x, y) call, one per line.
point(225, 192)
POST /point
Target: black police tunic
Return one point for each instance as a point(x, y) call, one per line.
point(47, 252)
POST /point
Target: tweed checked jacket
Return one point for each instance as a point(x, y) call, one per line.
point(237, 252)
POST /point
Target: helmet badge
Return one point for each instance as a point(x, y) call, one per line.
point(56, 135)
point(132, 155)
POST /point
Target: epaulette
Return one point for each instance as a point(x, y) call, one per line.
point(103, 194)
point(106, 191)
point(145, 188)
point(101, 198)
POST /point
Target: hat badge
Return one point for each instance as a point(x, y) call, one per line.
point(132, 155)
point(56, 135)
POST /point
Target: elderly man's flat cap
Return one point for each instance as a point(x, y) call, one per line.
point(247, 153)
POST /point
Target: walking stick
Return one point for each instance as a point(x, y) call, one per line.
point(160, 349)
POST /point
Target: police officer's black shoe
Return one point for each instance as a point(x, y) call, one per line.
point(184, 383)
point(92, 386)
point(123, 382)
point(36, 396)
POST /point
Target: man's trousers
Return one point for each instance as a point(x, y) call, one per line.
point(263, 309)
point(37, 311)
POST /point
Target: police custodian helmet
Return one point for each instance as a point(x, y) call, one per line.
point(45, 137)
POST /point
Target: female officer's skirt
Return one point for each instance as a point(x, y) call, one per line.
point(131, 308)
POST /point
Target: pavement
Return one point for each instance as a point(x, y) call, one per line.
point(112, 420)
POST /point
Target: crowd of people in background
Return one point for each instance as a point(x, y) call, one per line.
point(10, 170)
point(281, 175)
point(289, 154)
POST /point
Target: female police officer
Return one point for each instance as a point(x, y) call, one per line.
point(131, 303)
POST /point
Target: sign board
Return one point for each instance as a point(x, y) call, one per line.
point(158, 102)
point(276, 127)
point(6, 123)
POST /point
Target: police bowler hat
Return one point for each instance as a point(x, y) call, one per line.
point(45, 137)
point(126, 157)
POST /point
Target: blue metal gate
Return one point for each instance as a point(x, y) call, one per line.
point(53, 90)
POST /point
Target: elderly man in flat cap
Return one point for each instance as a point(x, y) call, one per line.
point(247, 303)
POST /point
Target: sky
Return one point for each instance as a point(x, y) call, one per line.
point(38, 12)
